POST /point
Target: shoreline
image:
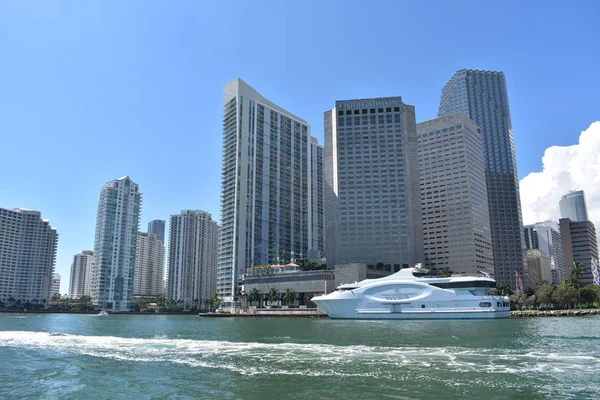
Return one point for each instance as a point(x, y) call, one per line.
point(312, 313)
point(555, 313)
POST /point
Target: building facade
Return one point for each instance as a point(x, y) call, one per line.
point(193, 249)
point(117, 224)
point(454, 202)
point(372, 199)
point(149, 265)
point(538, 268)
point(27, 256)
point(572, 205)
point(55, 289)
point(317, 205)
point(157, 227)
point(579, 243)
point(80, 283)
point(545, 236)
point(266, 194)
point(483, 97)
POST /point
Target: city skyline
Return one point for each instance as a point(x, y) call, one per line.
point(94, 94)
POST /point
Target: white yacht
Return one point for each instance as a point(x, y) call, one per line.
point(413, 293)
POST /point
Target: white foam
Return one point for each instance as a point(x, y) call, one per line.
point(253, 358)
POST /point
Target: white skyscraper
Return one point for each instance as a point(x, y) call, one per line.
point(27, 256)
point(149, 265)
point(117, 224)
point(80, 283)
point(55, 289)
point(193, 242)
point(267, 210)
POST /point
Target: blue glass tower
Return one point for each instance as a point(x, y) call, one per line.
point(482, 96)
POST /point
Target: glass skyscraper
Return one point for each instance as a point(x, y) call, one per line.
point(269, 191)
point(373, 204)
point(572, 206)
point(483, 97)
point(117, 225)
point(158, 228)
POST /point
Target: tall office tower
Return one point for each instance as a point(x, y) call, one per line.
point(266, 196)
point(117, 224)
point(80, 283)
point(454, 202)
point(372, 200)
point(27, 256)
point(158, 228)
point(193, 249)
point(538, 268)
point(55, 289)
point(545, 236)
point(579, 243)
point(482, 96)
point(317, 205)
point(572, 205)
point(149, 265)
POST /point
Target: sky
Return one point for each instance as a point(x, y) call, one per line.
point(93, 91)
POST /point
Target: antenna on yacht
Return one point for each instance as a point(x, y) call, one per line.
point(418, 265)
point(484, 274)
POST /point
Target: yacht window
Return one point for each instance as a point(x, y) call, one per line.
point(467, 284)
point(485, 304)
point(498, 304)
point(422, 305)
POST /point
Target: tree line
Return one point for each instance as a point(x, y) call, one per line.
point(569, 294)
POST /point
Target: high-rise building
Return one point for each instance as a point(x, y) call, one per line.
point(27, 256)
point(55, 289)
point(149, 265)
point(193, 249)
point(317, 205)
point(117, 225)
point(545, 236)
point(372, 200)
point(454, 203)
point(538, 268)
point(157, 227)
point(266, 193)
point(80, 283)
point(579, 243)
point(572, 205)
point(482, 96)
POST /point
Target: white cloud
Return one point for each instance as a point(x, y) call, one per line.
point(565, 168)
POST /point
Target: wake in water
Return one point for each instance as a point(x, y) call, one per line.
point(305, 359)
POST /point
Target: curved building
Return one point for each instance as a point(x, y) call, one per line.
point(572, 206)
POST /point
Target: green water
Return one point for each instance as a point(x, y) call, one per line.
point(60, 356)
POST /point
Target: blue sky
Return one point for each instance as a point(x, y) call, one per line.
point(92, 91)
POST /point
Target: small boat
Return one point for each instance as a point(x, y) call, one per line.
point(414, 293)
point(102, 313)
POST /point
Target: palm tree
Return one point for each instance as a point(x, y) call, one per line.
point(272, 295)
point(85, 302)
point(215, 299)
point(254, 295)
point(237, 294)
point(577, 270)
point(289, 296)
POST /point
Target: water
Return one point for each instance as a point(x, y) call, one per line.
point(51, 356)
